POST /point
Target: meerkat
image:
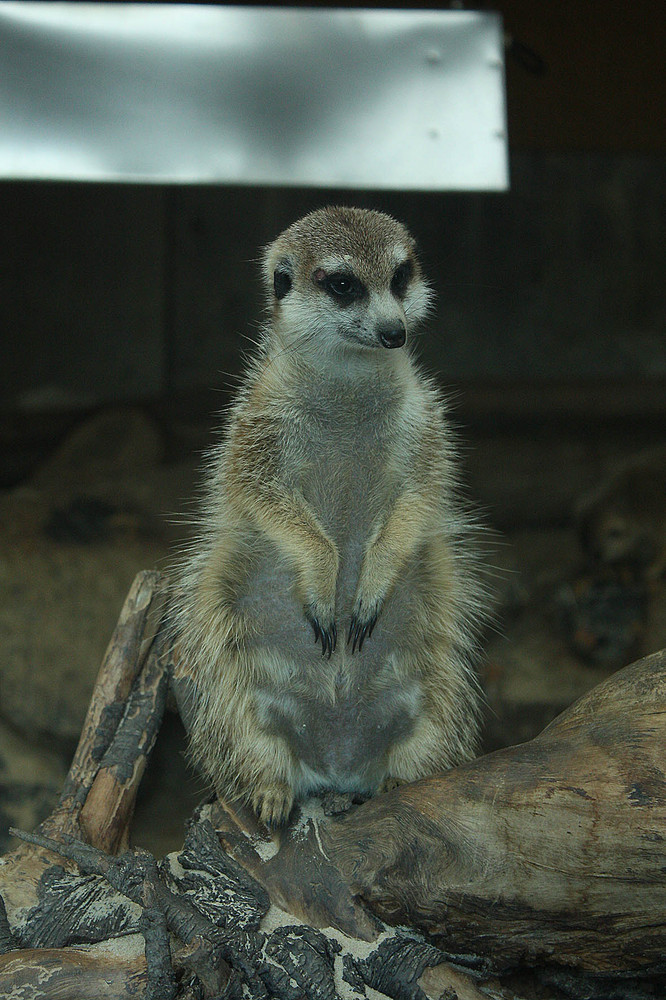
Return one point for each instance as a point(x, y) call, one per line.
point(329, 606)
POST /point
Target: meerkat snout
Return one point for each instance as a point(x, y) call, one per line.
point(392, 334)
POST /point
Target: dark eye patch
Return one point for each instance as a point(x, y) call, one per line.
point(282, 282)
point(401, 278)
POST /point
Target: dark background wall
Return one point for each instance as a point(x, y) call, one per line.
point(136, 292)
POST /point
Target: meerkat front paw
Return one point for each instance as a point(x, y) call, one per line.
point(324, 628)
point(364, 618)
point(273, 803)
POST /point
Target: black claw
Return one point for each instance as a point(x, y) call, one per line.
point(359, 630)
point(331, 634)
point(332, 638)
point(327, 634)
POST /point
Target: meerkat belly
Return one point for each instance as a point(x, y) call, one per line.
point(340, 716)
point(340, 737)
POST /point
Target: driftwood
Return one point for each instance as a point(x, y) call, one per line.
point(549, 856)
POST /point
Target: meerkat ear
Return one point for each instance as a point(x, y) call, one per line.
point(282, 279)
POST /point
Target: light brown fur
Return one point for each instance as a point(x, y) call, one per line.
point(331, 525)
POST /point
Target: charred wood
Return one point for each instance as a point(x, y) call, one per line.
point(161, 977)
point(7, 941)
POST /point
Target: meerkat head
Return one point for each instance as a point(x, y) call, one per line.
point(345, 275)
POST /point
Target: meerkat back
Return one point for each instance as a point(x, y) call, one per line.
point(329, 605)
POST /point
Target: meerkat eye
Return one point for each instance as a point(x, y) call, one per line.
point(401, 278)
point(339, 285)
point(343, 285)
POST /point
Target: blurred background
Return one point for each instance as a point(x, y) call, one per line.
point(125, 310)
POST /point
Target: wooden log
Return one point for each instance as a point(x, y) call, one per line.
point(107, 812)
point(116, 739)
point(105, 971)
point(292, 866)
point(74, 973)
point(125, 655)
point(278, 957)
point(135, 876)
point(551, 851)
point(547, 853)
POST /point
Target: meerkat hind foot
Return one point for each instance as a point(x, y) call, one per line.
point(273, 803)
point(388, 784)
point(333, 803)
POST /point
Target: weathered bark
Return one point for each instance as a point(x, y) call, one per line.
point(294, 868)
point(126, 653)
point(287, 959)
point(549, 855)
point(74, 973)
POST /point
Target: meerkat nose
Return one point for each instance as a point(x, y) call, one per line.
point(392, 334)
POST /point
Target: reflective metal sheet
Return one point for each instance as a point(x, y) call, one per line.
point(252, 95)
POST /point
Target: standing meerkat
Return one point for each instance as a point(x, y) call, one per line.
point(329, 607)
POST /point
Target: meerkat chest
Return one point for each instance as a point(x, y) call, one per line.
point(351, 458)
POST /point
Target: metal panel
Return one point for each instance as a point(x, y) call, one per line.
point(397, 99)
